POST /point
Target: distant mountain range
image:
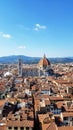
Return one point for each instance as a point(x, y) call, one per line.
point(32, 60)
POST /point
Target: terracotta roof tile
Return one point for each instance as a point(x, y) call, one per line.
point(18, 123)
point(65, 128)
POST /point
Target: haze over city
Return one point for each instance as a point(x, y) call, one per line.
point(32, 28)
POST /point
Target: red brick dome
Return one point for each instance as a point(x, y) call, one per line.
point(44, 62)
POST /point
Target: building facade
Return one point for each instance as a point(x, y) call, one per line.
point(20, 67)
point(43, 68)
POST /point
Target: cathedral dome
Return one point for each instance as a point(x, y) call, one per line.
point(44, 62)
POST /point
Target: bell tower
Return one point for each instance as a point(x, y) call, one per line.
point(19, 67)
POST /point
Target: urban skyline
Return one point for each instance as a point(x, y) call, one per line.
point(33, 28)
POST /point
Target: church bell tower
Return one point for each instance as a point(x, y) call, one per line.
point(19, 67)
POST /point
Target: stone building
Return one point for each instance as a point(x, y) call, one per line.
point(43, 68)
point(19, 67)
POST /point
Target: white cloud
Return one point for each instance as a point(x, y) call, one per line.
point(39, 27)
point(5, 35)
point(36, 29)
point(21, 47)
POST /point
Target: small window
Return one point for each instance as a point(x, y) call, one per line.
point(65, 118)
point(9, 128)
point(21, 128)
point(27, 128)
point(15, 128)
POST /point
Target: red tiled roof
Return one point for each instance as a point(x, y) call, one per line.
point(44, 62)
point(2, 102)
point(18, 123)
point(67, 114)
point(2, 127)
point(65, 128)
point(52, 126)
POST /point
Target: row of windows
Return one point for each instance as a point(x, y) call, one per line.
point(66, 118)
point(16, 128)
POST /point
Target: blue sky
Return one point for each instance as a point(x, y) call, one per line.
point(35, 27)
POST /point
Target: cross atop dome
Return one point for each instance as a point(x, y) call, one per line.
point(44, 55)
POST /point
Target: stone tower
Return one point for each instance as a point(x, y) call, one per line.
point(19, 67)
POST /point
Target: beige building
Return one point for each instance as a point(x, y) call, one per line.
point(43, 68)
